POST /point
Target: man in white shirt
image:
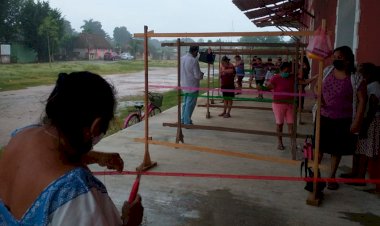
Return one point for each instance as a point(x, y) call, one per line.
point(190, 81)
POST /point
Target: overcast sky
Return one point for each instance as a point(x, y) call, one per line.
point(158, 15)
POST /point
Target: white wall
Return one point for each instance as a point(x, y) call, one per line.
point(345, 26)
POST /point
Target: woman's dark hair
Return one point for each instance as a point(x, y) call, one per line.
point(76, 101)
point(349, 56)
point(368, 71)
point(193, 49)
point(377, 76)
point(285, 65)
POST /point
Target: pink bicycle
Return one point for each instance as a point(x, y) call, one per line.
point(155, 102)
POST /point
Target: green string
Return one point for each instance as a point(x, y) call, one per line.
point(266, 100)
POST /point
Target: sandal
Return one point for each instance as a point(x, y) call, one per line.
point(332, 186)
point(227, 115)
point(347, 175)
point(281, 147)
point(222, 114)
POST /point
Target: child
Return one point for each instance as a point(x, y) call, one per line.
point(239, 68)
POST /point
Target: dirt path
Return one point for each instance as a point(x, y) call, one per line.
point(23, 107)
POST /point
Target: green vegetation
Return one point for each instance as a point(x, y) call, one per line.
point(19, 76)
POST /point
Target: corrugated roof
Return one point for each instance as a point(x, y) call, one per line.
point(280, 9)
point(245, 5)
point(281, 13)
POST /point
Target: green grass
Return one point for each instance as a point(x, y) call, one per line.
point(19, 76)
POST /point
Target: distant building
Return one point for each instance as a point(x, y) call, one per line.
point(5, 53)
point(90, 47)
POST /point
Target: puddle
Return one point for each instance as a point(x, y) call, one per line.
point(216, 207)
point(365, 219)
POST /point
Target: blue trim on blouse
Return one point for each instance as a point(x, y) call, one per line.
point(16, 131)
point(66, 188)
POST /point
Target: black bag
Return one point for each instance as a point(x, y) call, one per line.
point(206, 57)
point(309, 184)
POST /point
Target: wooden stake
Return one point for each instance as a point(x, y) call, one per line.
point(299, 122)
point(208, 92)
point(314, 198)
point(147, 163)
point(294, 131)
point(179, 136)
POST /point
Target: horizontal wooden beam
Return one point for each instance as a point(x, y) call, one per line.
point(224, 34)
point(236, 106)
point(235, 130)
point(237, 44)
point(255, 51)
point(220, 152)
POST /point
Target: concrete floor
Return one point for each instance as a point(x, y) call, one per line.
point(218, 201)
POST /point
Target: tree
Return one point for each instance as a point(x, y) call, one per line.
point(10, 11)
point(93, 27)
point(136, 47)
point(122, 37)
point(32, 16)
point(67, 42)
point(49, 28)
point(262, 39)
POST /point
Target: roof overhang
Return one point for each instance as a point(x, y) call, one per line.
point(279, 13)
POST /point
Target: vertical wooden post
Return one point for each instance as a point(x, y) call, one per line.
point(220, 57)
point(294, 131)
point(213, 84)
point(179, 136)
point(147, 163)
point(300, 91)
point(314, 198)
point(208, 91)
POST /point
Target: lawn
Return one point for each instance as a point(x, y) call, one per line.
point(19, 76)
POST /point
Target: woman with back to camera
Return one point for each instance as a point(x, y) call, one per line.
point(44, 180)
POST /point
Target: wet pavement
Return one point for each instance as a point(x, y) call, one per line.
point(23, 107)
point(184, 200)
point(214, 201)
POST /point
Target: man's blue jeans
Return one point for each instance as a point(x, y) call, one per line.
point(189, 102)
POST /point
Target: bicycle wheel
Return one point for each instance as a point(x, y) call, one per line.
point(131, 120)
point(154, 111)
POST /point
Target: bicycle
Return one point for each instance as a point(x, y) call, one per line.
point(155, 102)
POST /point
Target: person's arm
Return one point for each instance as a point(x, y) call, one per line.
point(229, 69)
point(109, 160)
point(309, 80)
point(197, 70)
point(362, 97)
point(373, 103)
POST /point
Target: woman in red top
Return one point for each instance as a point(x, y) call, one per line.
point(282, 104)
point(227, 76)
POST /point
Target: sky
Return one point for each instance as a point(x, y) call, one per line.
point(159, 15)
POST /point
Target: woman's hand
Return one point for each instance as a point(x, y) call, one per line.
point(111, 161)
point(355, 127)
point(132, 214)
